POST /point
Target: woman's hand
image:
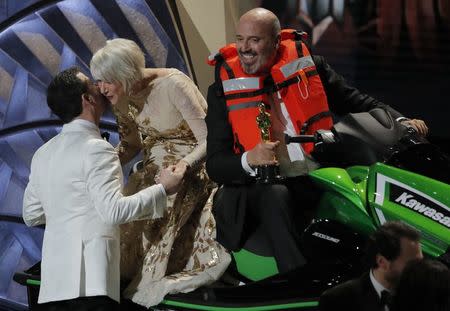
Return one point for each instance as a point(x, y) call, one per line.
point(170, 179)
point(181, 167)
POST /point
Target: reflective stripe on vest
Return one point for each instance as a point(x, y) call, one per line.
point(240, 84)
point(296, 65)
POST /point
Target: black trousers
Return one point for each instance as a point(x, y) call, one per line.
point(283, 211)
point(93, 303)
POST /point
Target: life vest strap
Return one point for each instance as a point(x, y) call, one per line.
point(298, 47)
point(243, 106)
point(228, 69)
point(264, 90)
point(220, 61)
point(295, 79)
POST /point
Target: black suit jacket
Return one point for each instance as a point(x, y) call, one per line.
point(224, 166)
point(355, 295)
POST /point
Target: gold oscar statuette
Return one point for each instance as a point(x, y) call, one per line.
point(266, 173)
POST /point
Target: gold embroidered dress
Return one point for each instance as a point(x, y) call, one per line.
point(176, 253)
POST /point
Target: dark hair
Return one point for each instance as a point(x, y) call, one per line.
point(386, 241)
point(64, 94)
point(424, 285)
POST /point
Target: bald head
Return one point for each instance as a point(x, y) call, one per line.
point(257, 40)
point(264, 18)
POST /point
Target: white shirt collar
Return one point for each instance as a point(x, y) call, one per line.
point(377, 285)
point(80, 124)
point(84, 122)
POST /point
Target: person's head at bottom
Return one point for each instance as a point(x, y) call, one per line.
point(424, 285)
point(390, 248)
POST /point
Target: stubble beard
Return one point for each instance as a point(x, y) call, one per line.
point(263, 63)
point(393, 278)
point(250, 69)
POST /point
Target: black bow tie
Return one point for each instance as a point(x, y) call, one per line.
point(386, 298)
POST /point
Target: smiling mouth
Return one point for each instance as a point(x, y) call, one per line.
point(248, 57)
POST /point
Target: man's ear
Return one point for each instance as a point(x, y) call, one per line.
point(382, 262)
point(277, 41)
point(88, 98)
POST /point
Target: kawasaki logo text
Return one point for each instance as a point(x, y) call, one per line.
point(408, 200)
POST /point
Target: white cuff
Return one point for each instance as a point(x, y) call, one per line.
point(400, 119)
point(245, 165)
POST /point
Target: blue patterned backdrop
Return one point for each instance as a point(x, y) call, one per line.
point(38, 43)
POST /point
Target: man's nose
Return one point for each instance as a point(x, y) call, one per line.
point(245, 46)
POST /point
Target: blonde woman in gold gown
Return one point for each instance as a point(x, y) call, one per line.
point(161, 113)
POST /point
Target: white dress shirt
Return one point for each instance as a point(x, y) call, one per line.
point(378, 287)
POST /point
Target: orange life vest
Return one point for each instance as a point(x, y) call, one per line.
point(293, 75)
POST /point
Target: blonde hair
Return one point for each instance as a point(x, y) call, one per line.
point(120, 60)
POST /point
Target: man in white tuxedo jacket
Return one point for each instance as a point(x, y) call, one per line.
point(75, 189)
